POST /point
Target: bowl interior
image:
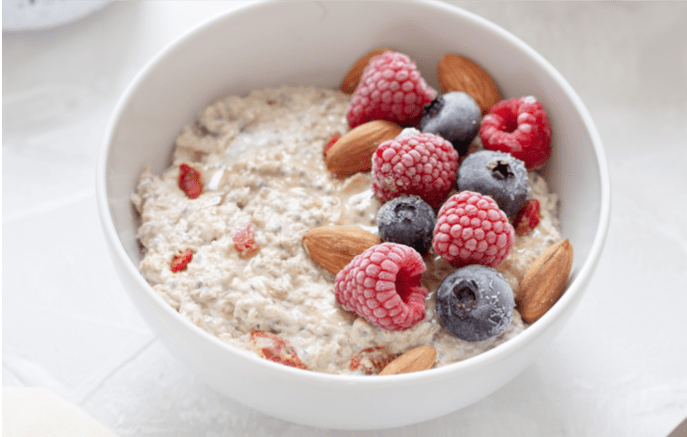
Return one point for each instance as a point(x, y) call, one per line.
point(272, 44)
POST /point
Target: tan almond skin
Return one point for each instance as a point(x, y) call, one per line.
point(545, 281)
point(352, 78)
point(458, 73)
point(334, 247)
point(353, 152)
point(416, 359)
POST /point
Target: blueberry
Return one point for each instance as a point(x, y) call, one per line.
point(475, 303)
point(455, 116)
point(407, 220)
point(498, 175)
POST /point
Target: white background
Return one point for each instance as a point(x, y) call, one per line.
point(619, 368)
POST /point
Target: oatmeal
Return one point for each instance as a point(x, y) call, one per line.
point(260, 160)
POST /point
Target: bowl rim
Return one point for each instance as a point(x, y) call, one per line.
point(498, 353)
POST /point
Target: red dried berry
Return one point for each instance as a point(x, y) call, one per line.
point(244, 242)
point(519, 127)
point(372, 360)
point(331, 142)
point(528, 217)
point(274, 348)
point(383, 285)
point(189, 181)
point(180, 262)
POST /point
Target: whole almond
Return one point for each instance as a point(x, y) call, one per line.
point(353, 152)
point(545, 281)
point(419, 358)
point(458, 73)
point(333, 247)
point(352, 78)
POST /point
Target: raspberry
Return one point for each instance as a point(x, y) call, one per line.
point(382, 285)
point(414, 163)
point(519, 127)
point(528, 217)
point(244, 242)
point(274, 348)
point(189, 181)
point(471, 229)
point(180, 262)
point(391, 88)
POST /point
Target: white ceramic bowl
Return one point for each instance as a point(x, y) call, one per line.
point(269, 44)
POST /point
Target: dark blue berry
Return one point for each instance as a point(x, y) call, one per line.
point(407, 220)
point(455, 116)
point(475, 303)
point(498, 175)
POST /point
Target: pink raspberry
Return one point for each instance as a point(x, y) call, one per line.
point(416, 163)
point(471, 229)
point(382, 285)
point(519, 127)
point(391, 88)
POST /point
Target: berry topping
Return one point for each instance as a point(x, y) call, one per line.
point(371, 360)
point(471, 229)
point(519, 127)
point(475, 303)
point(244, 242)
point(189, 181)
point(414, 163)
point(407, 220)
point(498, 175)
point(391, 88)
point(528, 217)
point(455, 117)
point(383, 285)
point(274, 348)
point(329, 144)
point(180, 262)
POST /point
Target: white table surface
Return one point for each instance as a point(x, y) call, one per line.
point(619, 367)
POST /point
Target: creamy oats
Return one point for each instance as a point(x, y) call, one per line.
point(260, 157)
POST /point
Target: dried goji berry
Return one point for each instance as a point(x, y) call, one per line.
point(372, 360)
point(181, 261)
point(331, 142)
point(244, 242)
point(528, 217)
point(189, 181)
point(274, 348)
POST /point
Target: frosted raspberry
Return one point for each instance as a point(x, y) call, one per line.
point(414, 163)
point(382, 285)
point(391, 88)
point(471, 229)
point(519, 127)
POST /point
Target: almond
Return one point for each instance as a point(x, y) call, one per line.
point(353, 152)
point(352, 78)
point(458, 73)
point(545, 281)
point(333, 247)
point(419, 358)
